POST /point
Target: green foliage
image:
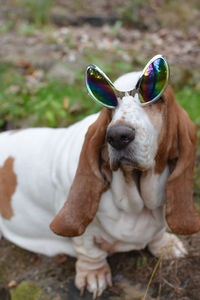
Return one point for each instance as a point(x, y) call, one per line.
point(55, 103)
point(131, 11)
point(189, 99)
point(42, 104)
point(115, 29)
point(7, 26)
point(27, 29)
point(123, 66)
point(39, 10)
point(26, 291)
point(141, 261)
point(173, 14)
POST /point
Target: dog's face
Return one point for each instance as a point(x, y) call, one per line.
point(133, 134)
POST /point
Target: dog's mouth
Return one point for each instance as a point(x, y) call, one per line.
point(126, 159)
point(123, 162)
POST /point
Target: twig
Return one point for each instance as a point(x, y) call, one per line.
point(160, 281)
point(151, 278)
point(172, 286)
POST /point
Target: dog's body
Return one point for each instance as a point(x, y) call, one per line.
point(48, 159)
point(38, 167)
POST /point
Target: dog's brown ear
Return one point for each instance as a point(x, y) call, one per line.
point(180, 143)
point(92, 178)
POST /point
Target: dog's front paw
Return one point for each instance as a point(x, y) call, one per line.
point(94, 280)
point(167, 246)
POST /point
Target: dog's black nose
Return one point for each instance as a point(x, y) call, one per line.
point(119, 136)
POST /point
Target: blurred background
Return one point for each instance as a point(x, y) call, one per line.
point(45, 46)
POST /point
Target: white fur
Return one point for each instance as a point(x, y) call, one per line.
point(45, 166)
point(127, 81)
point(45, 162)
point(143, 148)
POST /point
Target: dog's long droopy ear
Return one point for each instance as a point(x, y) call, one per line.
point(181, 215)
point(90, 181)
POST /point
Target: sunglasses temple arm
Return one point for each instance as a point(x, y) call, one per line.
point(133, 92)
point(119, 94)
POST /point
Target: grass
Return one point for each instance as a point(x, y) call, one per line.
point(172, 14)
point(55, 103)
point(151, 278)
point(25, 290)
point(47, 103)
point(189, 99)
point(39, 11)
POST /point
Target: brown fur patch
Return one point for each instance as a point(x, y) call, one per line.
point(8, 183)
point(176, 147)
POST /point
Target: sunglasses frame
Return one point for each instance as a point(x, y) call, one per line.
point(137, 88)
point(116, 92)
point(131, 92)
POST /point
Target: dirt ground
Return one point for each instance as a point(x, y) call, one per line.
point(24, 275)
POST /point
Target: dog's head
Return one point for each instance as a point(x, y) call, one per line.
point(129, 137)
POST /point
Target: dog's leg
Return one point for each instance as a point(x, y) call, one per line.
point(167, 246)
point(92, 270)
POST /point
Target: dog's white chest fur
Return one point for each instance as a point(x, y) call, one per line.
point(124, 215)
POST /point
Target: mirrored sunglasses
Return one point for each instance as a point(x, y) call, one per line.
point(150, 85)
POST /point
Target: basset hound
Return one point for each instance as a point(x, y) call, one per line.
point(112, 182)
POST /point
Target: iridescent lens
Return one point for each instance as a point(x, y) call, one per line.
point(100, 87)
point(154, 80)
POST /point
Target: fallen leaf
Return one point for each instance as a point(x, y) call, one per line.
point(12, 283)
point(38, 74)
point(25, 66)
point(36, 260)
point(75, 108)
point(66, 103)
point(60, 259)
